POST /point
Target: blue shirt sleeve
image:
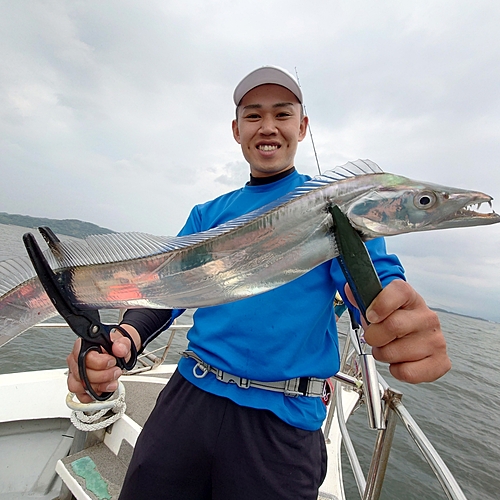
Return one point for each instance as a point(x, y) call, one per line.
point(193, 223)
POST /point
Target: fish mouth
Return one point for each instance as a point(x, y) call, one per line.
point(474, 209)
point(478, 211)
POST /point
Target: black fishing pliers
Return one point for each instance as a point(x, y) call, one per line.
point(95, 336)
point(365, 285)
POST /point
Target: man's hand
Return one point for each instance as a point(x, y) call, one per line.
point(102, 371)
point(405, 333)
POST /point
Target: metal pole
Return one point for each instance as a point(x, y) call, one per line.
point(349, 448)
point(336, 387)
point(382, 449)
point(443, 474)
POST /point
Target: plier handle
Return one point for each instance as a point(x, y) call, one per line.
point(95, 336)
point(365, 285)
point(355, 261)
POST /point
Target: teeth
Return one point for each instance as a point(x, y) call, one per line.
point(477, 207)
point(267, 147)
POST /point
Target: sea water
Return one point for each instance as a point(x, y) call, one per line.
point(460, 413)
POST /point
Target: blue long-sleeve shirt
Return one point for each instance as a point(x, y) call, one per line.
point(281, 334)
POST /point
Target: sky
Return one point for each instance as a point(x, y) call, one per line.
point(119, 112)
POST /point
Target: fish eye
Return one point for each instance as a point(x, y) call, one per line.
point(425, 200)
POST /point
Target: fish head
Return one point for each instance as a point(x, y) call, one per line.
point(400, 205)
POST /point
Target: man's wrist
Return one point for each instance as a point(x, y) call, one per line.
point(134, 334)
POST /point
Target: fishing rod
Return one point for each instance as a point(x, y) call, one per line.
point(309, 126)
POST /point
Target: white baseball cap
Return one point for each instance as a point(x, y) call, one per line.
point(266, 75)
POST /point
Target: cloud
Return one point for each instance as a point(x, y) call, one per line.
point(119, 113)
point(456, 268)
point(233, 173)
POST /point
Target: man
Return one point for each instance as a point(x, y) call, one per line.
point(209, 439)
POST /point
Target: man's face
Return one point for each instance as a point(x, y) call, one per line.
point(269, 128)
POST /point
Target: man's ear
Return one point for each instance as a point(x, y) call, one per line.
point(303, 128)
point(236, 131)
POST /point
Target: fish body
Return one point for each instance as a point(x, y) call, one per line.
point(247, 256)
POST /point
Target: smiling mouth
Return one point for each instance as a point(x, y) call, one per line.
point(268, 147)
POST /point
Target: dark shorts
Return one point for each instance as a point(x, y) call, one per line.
point(198, 446)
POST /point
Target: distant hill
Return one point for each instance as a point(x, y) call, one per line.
point(68, 227)
point(438, 309)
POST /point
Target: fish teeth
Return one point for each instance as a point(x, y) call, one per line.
point(476, 207)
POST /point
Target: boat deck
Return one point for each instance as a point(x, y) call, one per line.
point(42, 450)
point(29, 451)
point(110, 468)
point(36, 436)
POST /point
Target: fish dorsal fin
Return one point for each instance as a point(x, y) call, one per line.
point(116, 247)
point(13, 272)
point(99, 249)
point(352, 169)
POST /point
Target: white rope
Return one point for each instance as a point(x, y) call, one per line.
point(89, 416)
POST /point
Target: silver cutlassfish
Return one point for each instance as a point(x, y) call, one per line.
point(249, 255)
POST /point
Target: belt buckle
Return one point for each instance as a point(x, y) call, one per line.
point(291, 387)
point(227, 378)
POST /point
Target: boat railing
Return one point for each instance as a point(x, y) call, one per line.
point(349, 376)
point(370, 488)
point(146, 361)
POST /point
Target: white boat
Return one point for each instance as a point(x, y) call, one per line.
point(43, 455)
